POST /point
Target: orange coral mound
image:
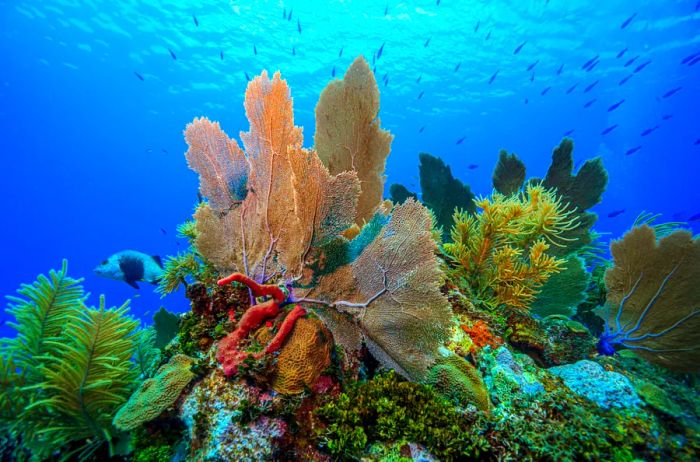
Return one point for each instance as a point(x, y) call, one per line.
point(480, 334)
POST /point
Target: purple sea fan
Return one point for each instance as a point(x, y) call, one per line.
point(653, 300)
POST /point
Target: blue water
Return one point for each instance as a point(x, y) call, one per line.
point(92, 156)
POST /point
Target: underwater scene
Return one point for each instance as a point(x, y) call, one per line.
point(350, 230)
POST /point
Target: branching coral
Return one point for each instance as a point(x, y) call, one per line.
point(501, 252)
point(653, 300)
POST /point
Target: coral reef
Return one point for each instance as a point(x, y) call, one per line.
point(458, 380)
point(653, 298)
point(564, 290)
point(509, 174)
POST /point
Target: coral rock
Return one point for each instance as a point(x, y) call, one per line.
point(592, 381)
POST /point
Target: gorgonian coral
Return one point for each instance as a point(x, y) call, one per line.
point(500, 253)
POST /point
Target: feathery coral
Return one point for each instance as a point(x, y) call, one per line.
point(501, 253)
point(156, 394)
point(348, 136)
point(653, 301)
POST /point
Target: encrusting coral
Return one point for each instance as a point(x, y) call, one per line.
point(653, 299)
point(501, 252)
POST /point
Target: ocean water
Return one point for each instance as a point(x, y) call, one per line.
point(95, 95)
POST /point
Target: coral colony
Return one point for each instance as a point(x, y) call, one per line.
point(328, 323)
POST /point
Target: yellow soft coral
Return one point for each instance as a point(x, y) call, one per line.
point(501, 253)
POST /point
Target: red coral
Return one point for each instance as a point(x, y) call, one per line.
point(480, 335)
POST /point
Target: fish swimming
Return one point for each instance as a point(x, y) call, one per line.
point(289, 17)
point(590, 62)
point(569, 132)
point(420, 95)
point(333, 72)
point(520, 47)
point(131, 266)
point(572, 88)
point(629, 62)
point(532, 77)
point(642, 66)
point(666, 116)
point(672, 92)
point(196, 23)
point(488, 36)
point(420, 130)
point(609, 129)
point(616, 213)
point(298, 25)
point(247, 77)
point(624, 81)
point(648, 131)
point(591, 86)
point(616, 105)
point(472, 166)
point(461, 140)
point(561, 68)
point(590, 68)
point(544, 92)
point(628, 21)
point(172, 54)
point(633, 150)
point(379, 52)
point(493, 77)
point(589, 103)
point(340, 53)
point(621, 53)
point(138, 75)
point(255, 50)
point(427, 42)
point(418, 79)
point(694, 62)
point(697, 142)
point(386, 10)
point(457, 66)
point(689, 58)
point(476, 28)
point(532, 66)
point(294, 50)
point(221, 54)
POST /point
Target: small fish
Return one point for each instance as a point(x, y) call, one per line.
point(284, 13)
point(590, 68)
point(493, 77)
point(164, 151)
point(457, 66)
point(590, 62)
point(386, 10)
point(621, 53)
point(697, 142)
point(672, 92)
point(461, 140)
point(386, 82)
point(427, 42)
point(609, 129)
point(379, 52)
point(221, 55)
point(340, 53)
point(631, 61)
point(418, 79)
point(545, 91)
point(532, 77)
point(472, 166)
point(527, 101)
point(437, 2)
point(247, 77)
point(333, 72)
point(131, 266)
point(571, 89)
point(476, 28)
point(385, 76)
point(561, 68)
point(569, 132)
point(289, 16)
point(532, 66)
point(163, 231)
point(616, 213)
point(298, 25)
point(667, 116)
point(172, 54)
point(590, 87)
point(488, 36)
point(520, 47)
point(628, 21)
point(294, 50)
point(624, 81)
point(255, 50)
point(616, 105)
point(648, 131)
point(642, 66)
point(689, 58)
point(633, 150)
point(694, 62)
point(420, 95)
point(420, 130)
point(196, 23)
point(138, 75)
point(590, 103)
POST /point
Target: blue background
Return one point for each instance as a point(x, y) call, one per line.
point(92, 157)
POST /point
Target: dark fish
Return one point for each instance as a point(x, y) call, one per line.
point(163, 231)
point(689, 58)
point(609, 129)
point(621, 53)
point(333, 72)
point(163, 150)
point(697, 142)
point(544, 92)
point(624, 81)
point(571, 89)
point(427, 42)
point(590, 103)
point(196, 23)
point(386, 82)
point(379, 52)
point(616, 105)
point(172, 54)
point(472, 166)
point(284, 13)
point(289, 16)
point(420, 95)
point(526, 101)
point(221, 55)
point(532, 66)
point(298, 26)
point(420, 130)
point(418, 79)
point(695, 217)
point(570, 132)
point(616, 213)
point(667, 116)
point(493, 77)
point(461, 140)
point(633, 150)
point(385, 76)
point(294, 50)
point(648, 131)
point(590, 68)
point(672, 92)
point(255, 50)
point(138, 75)
point(590, 87)
point(437, 2)
point(386, 10)
point(628, 21)
point(694, 62)
point(532, 77)
point(457, 66)
point(340, 53)
point(629, 62)
point(561, 68)
point(476, 28)
point(642, 66)
point(488, 36)
point(590, 62)
point(247, 77)
point(520, 47)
